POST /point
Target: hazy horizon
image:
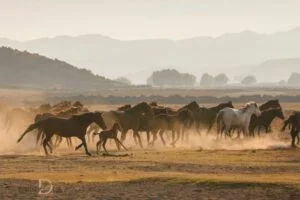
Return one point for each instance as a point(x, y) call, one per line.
point(99, 34)
point(134, 20)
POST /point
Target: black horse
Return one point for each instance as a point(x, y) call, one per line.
point(73, 127)
point(293, 122)
point(265, 120)
point(274, 103)
point(206, 116)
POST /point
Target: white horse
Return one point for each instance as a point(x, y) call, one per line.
point(230, 117)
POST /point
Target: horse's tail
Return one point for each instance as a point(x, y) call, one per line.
point(30, 128)
point(218, 120)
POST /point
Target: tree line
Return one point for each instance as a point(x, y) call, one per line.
point(174, 78)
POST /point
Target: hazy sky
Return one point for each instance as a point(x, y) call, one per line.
point(137, 19)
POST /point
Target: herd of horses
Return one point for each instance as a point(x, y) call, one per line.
point(155, 120)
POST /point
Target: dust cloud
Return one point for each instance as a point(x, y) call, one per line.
point(10, 132)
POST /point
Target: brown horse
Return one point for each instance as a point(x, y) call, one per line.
point(274, 103)
point(176, 123)
point(265, 120)
point(73, 127)
point(64, 114)
point(293, 122)
point(108, 134)
point(206, 116)
point(128, 119)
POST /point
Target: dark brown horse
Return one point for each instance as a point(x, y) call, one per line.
point(265, 120)
point(176, 123)
point(206, 116)
point(293, 122)
point(274, 103)
point(73, 127)
point(64, 114)
point(129, 119)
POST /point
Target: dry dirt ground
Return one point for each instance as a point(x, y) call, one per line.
point(264, 168)
point(155, 174)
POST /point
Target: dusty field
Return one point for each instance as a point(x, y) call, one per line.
point(261, 168)
point(155, 174)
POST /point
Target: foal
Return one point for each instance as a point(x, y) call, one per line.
point(106, 134)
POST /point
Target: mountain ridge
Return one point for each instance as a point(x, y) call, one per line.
point(114, 58)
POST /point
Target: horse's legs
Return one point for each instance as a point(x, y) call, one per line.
point(294, 134)
point(45, 143)
point(177, 137)
point(57, 141)
point(148, 137)
point(161, 132)
point(85, 145)
point(69, 142)
point(123, 135)
point(198, 128)
point(136, 134)
point(209, 127)
point(95, 130)
point(258, 131)
point(98, 146)
point(39, 134)
point(103, 144)
point(119, 142)
point(154, 133)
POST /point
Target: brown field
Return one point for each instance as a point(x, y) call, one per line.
point(202, 168)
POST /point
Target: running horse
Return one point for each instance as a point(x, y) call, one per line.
point(293, 122)
point(129, 119)
point(231, 117)
point(73, 127)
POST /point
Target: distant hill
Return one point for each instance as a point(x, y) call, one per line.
point(25, 70)
point(279, 69)
point(113, 58)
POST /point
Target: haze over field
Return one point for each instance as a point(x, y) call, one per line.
point(134, 38)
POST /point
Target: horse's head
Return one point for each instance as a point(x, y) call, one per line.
point(228, 104)
point(270, 104)
point(280, 113)
point(253, 108)
point(193, 106)
point(153, 104)
point(143, 109)
point(98, 119)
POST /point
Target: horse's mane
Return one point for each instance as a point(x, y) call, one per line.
point(222, 105)
point(82, 116)
point(153, 103)
point(269, 104)
point(141, 105)
point(125, 107)
point(192, 105)
point(248, 105)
